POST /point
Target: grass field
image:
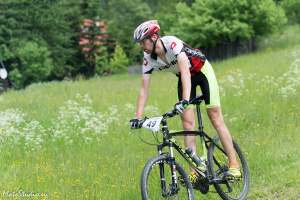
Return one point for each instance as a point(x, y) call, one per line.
point(71, 139)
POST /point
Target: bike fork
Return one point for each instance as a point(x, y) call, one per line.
point(162, 177)
point(173, 186)
point(173, 165)
point(162, 172)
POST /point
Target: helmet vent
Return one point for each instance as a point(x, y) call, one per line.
point(146, 30)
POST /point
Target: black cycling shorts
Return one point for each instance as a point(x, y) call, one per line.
point(208, 83)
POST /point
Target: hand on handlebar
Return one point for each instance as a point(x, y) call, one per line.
point(181, 105)
point(136, 123)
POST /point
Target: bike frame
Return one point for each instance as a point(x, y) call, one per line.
point(169, 141)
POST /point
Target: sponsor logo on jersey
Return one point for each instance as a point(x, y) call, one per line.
point(194, 52)
point(173, 45)
point(172, 64)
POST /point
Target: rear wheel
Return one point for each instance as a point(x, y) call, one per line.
point(155, 188)
point(218, 164)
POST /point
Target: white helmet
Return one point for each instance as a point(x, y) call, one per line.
point(145, 30)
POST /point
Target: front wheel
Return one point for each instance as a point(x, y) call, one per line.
point(218, 164)
point(157, 182)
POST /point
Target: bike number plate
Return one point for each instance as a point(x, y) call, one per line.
point(152, 123)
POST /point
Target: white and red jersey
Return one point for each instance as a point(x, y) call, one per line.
point(173, 46)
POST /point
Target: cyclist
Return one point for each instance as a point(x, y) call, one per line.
point(193, 69)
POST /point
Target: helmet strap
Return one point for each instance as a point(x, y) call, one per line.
point(153, 54)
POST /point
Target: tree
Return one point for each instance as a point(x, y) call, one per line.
point(119, 61)
point(102, 62)
point(55, 23)
point(208, 22)
point(292, 10)
point(33, 64)
point(123, 16)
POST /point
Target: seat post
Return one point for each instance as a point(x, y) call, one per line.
point(199, 117)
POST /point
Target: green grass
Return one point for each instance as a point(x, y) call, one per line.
point(286, 37)
point(263, 121)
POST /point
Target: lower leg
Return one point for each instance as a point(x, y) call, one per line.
point(188, 123)
point(216, 118)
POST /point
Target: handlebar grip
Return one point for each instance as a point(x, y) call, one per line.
point(170, 114)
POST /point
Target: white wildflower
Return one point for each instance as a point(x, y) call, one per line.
point(290, 80)
point(14, 129)
point(76, 119)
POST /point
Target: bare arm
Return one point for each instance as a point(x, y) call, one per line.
point(183, 64)
point(142, 98)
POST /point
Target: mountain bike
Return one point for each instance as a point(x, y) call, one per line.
point(164, 178)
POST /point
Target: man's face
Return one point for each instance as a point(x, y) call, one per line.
point(146, 45)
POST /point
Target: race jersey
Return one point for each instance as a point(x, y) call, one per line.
point(173, 46)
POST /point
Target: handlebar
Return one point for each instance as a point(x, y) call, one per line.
point(196, 101)
point(171, 113)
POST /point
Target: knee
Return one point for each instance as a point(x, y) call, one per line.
point(216, 118)
point(213, 114)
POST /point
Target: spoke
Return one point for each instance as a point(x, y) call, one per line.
point(154, 184)
point(228, 187)
point(234, 188)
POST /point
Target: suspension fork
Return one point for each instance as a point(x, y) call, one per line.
point(162, 177)
point(165, 131)
point(171, 160)
point(172, 164)
point(162, 170)
point(174, 185)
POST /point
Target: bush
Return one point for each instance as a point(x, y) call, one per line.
point(119, 61)
point(292, 10)
point(209, 22)
point(266, 17)
point(34, 64)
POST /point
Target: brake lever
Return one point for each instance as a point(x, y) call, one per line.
point(142, 121)
point(170, 114)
